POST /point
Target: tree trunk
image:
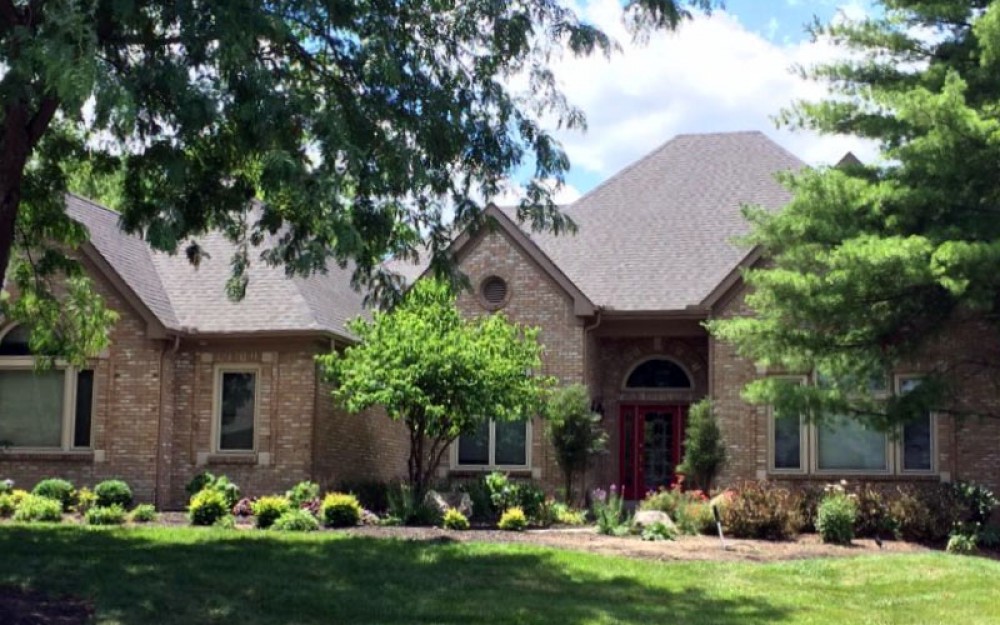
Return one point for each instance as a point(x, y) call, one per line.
point(568, 474)
point(19, 135)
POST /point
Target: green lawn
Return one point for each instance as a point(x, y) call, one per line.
point(185, 575)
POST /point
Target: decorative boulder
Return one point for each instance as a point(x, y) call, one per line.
point(440, 503)
point(645, 518)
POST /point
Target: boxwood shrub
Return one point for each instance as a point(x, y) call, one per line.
point(55, 488)
point(112, 492)
point(340, 510)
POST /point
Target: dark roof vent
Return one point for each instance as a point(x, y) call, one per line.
point(494, 292)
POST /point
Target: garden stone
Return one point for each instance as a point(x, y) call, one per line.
point(440, 503)
point(645, 518)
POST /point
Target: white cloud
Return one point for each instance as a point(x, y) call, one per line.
point(712, 75)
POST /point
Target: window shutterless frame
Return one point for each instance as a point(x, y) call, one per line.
point(803, 435)
point(491, 465)
point(898, 381)
point(219, 371)
point(68, 413)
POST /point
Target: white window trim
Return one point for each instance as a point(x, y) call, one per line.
point(809, 445)
point(219, 370)
point(27, 363)
point(492, 466)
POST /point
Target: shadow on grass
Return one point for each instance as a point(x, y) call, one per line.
point(145, 577)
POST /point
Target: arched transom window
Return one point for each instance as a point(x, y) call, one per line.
point(660, 373)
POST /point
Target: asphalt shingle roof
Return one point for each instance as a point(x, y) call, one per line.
point(659, 234)
point(189, 299)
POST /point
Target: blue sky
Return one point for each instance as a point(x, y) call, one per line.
point(727, 72)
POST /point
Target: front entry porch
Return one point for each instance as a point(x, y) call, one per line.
point(651, 438)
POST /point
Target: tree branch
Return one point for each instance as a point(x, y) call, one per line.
point(40, 121)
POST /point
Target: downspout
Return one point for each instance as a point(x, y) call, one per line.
point(586, 369)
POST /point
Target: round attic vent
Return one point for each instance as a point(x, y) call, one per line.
point(494, 291)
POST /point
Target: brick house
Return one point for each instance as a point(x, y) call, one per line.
point(194, 382)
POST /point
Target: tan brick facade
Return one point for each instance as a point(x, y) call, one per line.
point(153, 414)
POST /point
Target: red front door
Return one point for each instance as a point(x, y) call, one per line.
point(651, 438)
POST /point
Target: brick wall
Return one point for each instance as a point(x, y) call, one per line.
point(125, 414)
point(534, 300)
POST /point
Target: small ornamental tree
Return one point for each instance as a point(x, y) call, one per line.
point(575, 432)
point(437, 372)
point(704, 451)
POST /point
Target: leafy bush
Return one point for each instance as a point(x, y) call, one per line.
point(18, 495)
point(243, 507)
point(268, 509)
point(836, 516)
point(704, 450)
point(565, 515)
point(111, 492)
point(501, 491)
point(977, 503)
point(227, 522)
point(575, 432)
point(207, 507)
point(659, 531)
point(85, 500)
point(340, 510)
point(809, 497)
point(925, 515)
point(143, 513)
point(372, 494)
point(689, 509)
point(761, 510)
point(36, 508)
point(407, 509)
point(454, 520)
point(513, 520)
point(482, 505)
point(297, 520)
point(505, 493)
point(105, 515)
point(962, 544)
point(873, 517)
point(221, 483)
point(608, 508)
point(57, 489)
point(7, 505)
point(301, 493)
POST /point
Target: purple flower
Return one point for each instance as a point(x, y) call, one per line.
point(600, 495)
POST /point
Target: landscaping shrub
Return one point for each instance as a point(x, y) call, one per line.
point(608, 508)
point(268, 509)
point(85, 500)
point(565, 515)
point(575, 432)
point(372, 494)
point(501, 491)
point(873, 515)
point(340, 510)
point(301, 493)
point(7, 505)
point(925, 515)
point(454, 520)
point(105, 515)
point(35, 508)
point(297, 520)
point(505, 493)
point(836, 516)
point(513, 520)
point(761, 510)
point(482, 505)
point(405, 509)
point(221, 483)
point(57, 489)
point(18, 495)
point(207, 507)
point(808, 497)
point(659, 531)
point(689, 509)
point(704, 450)
point(227, 522)
point(962, 544)
point(112, 492)
point(143, 513)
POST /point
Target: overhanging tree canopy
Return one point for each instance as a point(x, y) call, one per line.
point(356, 121)
point(869, 264)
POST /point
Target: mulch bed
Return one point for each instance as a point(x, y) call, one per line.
point(29, 607)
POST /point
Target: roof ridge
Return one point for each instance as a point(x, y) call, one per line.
point(624, 170)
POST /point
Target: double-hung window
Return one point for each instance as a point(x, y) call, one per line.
point(42, 410)
point(495, 444)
